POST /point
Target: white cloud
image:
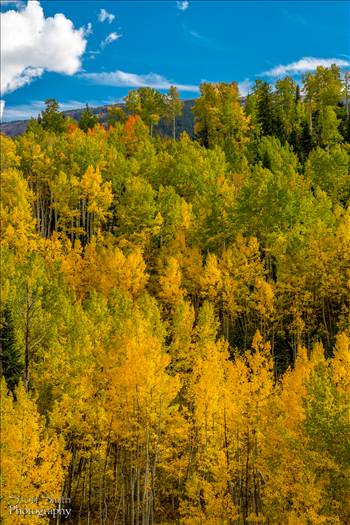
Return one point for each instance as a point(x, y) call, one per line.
point(195, 34)
point(112, 37)
point(32, 44)
point(2, 107)
point(23, 111)
point(92, 54)
point(15, 3)
point(27, 111)
point(183, 5)
point(245, 87)
point(104, 15)
point(200, 40)
point(304, 65)
point(88, 30)
point(123, 79)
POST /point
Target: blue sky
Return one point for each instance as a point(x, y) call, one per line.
point(100, 49)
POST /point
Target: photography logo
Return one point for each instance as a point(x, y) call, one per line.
point(41, 506)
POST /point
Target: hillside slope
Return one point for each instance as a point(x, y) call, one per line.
point(183, 123)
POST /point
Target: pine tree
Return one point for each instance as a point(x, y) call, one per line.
point(11, 359)
point(87, 119)
point(51, 119)
point(265, 115)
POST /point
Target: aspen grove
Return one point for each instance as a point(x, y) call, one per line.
point(175, 314)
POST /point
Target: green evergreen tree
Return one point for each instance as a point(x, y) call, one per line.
point(11, 362)
point(51, 119)
point(265, 109)
point(87, 119)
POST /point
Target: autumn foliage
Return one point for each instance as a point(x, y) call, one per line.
point(175, 316)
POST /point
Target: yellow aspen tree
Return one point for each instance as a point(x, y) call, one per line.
point(66, 195)
point(78, 412)
point(241, 270)
point(286, 498)
point(72, 267)
point(31, 459)
point(208, 499)
point(181, 347)
point(220, 118)
point(170, 283)
point(211, 280)
point(39, 166)
point(16, 221)
point(326, 427)
point(341, 364)
point(190, 262)
point(125, 273)
point(140, 397)
point(96, 199)
point(9, 157)
point(250, 390)
point(104, 269)
point(342, 245)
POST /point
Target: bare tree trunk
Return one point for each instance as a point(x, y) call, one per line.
point(103, 482)
point(246, 493)
point(145, 486)
point(82, 500)
point(137, 482)
point(27, 339)
point(310, 120)
point(90, 490)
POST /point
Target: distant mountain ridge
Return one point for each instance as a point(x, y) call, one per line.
point(183, 123)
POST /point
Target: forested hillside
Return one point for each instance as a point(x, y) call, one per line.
point(175, 315)
point(184, 121)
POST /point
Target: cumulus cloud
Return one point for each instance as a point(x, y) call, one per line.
point(112, 37)
point(182, 5)
point(104, 16)
point(32, 44)
point(304, 65)
point(123, 79)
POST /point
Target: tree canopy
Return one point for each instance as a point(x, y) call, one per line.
point(175, 314)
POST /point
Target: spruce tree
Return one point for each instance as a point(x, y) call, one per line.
point(87, 119)
point(11, 363)
point(51, 119)
point(265, 110)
